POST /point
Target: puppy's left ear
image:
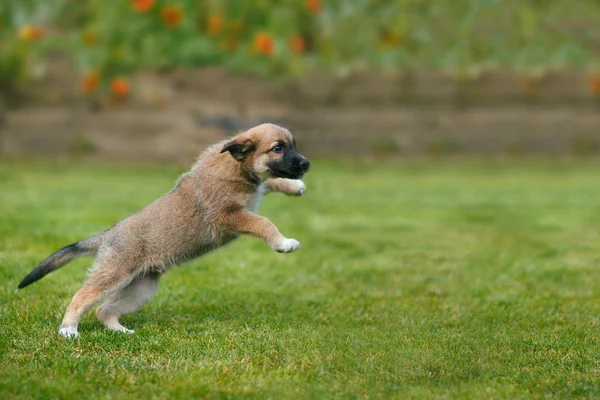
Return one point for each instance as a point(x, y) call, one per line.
point(239, 148)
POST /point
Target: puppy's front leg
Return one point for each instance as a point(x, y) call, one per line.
point(291, 187)
point(244, 221)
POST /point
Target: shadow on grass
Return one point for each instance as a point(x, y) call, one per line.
point(237, 310)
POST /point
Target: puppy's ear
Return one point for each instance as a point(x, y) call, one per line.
point(239, 148)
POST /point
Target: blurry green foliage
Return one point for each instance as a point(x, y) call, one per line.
point(113, 38)
point(19, 47)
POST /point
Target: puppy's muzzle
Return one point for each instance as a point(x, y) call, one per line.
point(300, 166)
point(304, 165)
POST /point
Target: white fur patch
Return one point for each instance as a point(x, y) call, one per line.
point(255, 199)
point(122, 329)
point(301, 187)
point(68, 332)
point(287, 245)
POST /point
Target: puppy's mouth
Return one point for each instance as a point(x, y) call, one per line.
point(286, 174)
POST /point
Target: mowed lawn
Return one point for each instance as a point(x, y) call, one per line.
point(414, 280)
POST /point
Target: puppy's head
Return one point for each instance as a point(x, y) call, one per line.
point(268, 151)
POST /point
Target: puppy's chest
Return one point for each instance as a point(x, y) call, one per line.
point(204, 235)
point(223, 237)
point(254, 199)
point(202, 241)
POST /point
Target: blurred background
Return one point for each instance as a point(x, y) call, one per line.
point(157, 80)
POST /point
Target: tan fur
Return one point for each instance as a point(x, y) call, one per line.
point(210, 206)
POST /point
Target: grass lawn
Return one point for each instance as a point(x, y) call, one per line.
point(415, 280)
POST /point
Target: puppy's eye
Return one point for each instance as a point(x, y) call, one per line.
point(277, 149)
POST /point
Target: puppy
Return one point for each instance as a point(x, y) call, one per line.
point(209, 207)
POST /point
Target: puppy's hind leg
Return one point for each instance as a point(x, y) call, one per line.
point(129, 299)
point(104, 281)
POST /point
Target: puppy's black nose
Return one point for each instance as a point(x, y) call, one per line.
point(304, 164)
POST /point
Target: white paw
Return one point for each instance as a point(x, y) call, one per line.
point(301, 188)
point(123, 329)
point(287, 246)
point(68, 332)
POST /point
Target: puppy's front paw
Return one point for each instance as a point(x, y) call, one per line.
point(287, 246)
point(300, 188)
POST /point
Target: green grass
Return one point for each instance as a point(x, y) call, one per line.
point(415, 280)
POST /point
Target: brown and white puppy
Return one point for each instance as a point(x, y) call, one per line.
point(209, 207)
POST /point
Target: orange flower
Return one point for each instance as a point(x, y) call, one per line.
point(313, 6)
point(142, 5)
point(297, 44)
point(171, 16)
point(215, 23)
point(594, 84)
point(30, 33)
point(89, 83)
point(120, 87)
point(263, 43)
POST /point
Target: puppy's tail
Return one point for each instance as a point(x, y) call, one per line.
point(67, 254)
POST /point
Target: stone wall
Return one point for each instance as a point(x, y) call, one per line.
point(173, 116)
